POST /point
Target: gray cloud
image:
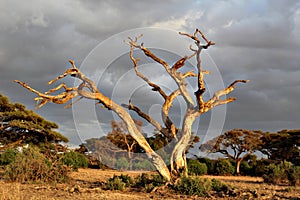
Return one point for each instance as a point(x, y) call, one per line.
point(256, 40)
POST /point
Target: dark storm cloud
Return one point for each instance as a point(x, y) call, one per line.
point(257, 40)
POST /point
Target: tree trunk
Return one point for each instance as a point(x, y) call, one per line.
point(178, 157)
point(238, 164)
point(157, 161)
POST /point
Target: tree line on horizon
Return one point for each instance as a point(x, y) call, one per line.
point(118, 149)
point(19, 126)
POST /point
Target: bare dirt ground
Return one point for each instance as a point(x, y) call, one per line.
point(86, 184)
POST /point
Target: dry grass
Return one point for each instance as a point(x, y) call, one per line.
point(87, 182)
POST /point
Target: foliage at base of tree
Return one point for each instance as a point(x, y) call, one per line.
point(193, 186)
point(199, 186)
point(32, 166)
point(186, 185)
point(145, 180)
point(142, 182)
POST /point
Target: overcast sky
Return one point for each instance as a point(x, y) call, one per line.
point(257, 40)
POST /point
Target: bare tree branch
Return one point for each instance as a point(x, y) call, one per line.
point(61, 98)
point(139, 74)
point(146, 117)
point(165, 112)
point(176, 76)
point(215, 100)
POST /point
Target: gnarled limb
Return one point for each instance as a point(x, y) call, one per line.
point(165, 112)
point(155, 87)
point(177, 77)
point(215, 100)
point(168, 99)
point(88, 89)
point(201, 87)
point(148, 118)
point(61, 98)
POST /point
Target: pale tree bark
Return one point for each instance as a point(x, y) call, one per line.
point(182, 135)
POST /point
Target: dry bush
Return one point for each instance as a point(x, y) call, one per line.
point(32, 166)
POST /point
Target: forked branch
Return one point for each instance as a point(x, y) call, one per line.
point(45, 98)
point(177, 77)
point(215, 100)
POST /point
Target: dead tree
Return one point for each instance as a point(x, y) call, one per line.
point(87, 89)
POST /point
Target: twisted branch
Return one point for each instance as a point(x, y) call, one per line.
point(177, 77)
point(215, 100)
point(145, 116)
point(201, 87)
point(44, 98)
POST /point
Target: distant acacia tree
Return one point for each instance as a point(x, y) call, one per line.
point(283, 145)
point(119, 137)
point(21, 126)
point(195, 103)
point(236, 144)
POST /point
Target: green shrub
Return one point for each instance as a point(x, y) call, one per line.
point(148, 182)
point(224, 167)
point(144, 165)
point(209, 164)
point(142, 180)
point(115, 183)
point(246, 169)
point(157, 180)
point(7, 157)
point(122, 163)
point(196, 168)
point(193, 186)
point(277, 174)
point(32, 166)
point(219, 186)
point(74, 160)
point(119, 182)
point(294, 175)
point(126, 179)
point(260, 166)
